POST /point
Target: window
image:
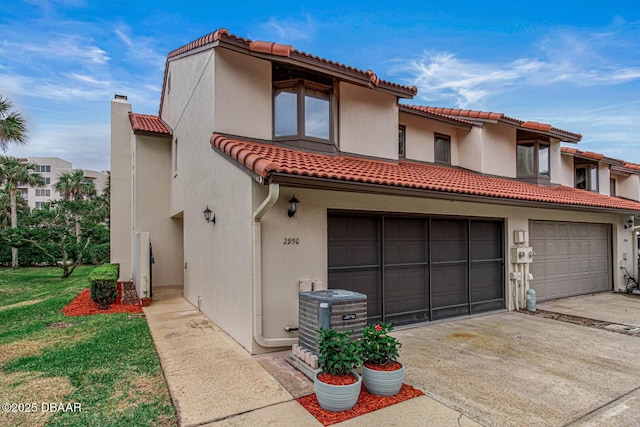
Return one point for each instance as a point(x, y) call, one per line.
point(612, 187)
point(302, 106)
point(587, 177)
point(442, 149)
point(38, 205)
point(302, 111)
point(533, 161)
point(41, 192)
point(47, 181)
point(43, 168)
point(402, 130)
point(175, 157)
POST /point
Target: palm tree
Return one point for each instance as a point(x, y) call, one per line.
point(73, 187)
point(5, 207)
point(12, 125)
point(13, 173)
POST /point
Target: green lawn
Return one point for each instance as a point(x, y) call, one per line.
point(105, 365)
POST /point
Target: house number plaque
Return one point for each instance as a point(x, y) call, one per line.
point(291, 241)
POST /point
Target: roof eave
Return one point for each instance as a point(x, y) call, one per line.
point(351, 186)
point(458, 123)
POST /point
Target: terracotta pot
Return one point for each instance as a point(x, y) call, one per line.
point(337, 398)
point(383, 383)
point(145, 302)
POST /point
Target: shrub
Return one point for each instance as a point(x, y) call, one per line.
point(104, 284)
point(338, 353)
point(377, 346)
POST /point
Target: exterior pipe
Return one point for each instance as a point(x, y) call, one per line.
point(256, 231)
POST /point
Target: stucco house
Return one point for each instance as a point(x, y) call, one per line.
point(433, 213)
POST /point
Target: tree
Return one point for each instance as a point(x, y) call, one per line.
point(5, 207)
point(12, 125)
point(51, 229)
point(73, 187)
point(13, 173)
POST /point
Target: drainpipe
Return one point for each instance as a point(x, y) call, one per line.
point(256, 231)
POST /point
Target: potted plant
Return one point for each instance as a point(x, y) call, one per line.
point(145, 301)
point(336, 384)
point(382, 374)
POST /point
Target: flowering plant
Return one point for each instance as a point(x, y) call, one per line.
point(338, 352)
point(377, 346)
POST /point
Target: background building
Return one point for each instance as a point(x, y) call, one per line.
point(51, 168)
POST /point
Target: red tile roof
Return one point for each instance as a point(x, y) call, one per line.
point(145, 123)
point(267, 159)
point(500, 117)
point(277, 49)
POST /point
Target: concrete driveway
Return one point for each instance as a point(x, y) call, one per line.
point(613, 307)
point(516, 369)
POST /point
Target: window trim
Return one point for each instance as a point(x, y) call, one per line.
point(447, 139)
point(402, 141)
point(537, 177)
point(300, 86)
point(589, 181)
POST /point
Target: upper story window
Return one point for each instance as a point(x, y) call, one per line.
point(402, 143)
point(43, 168)
point(587, 177)
point(303, 106)
point(533, 161)
point(442, 149)
point(612, 187)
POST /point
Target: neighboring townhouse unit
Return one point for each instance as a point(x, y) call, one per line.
point(50, 168)
point(269, 170)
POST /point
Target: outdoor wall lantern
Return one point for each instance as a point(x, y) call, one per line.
point(293, 206)
point(207, 215)
point(628, 223)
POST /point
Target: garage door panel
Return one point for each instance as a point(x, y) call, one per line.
point(422, 265)
point(484, 277)
point(575, 258)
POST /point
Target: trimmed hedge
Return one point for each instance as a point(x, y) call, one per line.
point(104, 284)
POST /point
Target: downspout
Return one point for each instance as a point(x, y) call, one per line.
point(256, 232)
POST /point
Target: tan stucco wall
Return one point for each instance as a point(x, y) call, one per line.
point(368, 122)
point(629, 186)
point(243, 95)
point(420, 137)
point(604, 186)
point(285, 265)
point(470, 152)
point(191, 75)
point(121, 140)
point(217, 257)
point(567, 171)
point(499, 150)
point(152, 175)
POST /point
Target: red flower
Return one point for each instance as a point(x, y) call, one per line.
point(378, 328)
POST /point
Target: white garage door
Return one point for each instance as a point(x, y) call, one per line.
point(571, 258)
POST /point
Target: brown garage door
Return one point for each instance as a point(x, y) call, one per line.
point(418, 269)
point(571, 258)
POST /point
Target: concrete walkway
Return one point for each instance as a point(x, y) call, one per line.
point(213, 381)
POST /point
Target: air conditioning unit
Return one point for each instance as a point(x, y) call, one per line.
point(338, 309)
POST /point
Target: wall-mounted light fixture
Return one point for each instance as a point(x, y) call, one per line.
point(207, 215)
point(628, 223)
point(293, 206)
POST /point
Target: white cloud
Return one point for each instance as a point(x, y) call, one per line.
point(290, 30)
point(67, 48)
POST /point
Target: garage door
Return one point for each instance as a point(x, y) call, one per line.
point(418, 269)
point(571, 258)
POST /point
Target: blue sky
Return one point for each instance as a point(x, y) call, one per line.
point(574, 64)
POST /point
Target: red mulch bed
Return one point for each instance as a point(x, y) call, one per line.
point(367, 402)
point(82, 305)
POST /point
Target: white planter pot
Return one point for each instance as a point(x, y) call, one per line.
point(383, 383)
point(337, 398)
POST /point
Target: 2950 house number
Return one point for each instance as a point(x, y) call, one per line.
point(291, 241)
